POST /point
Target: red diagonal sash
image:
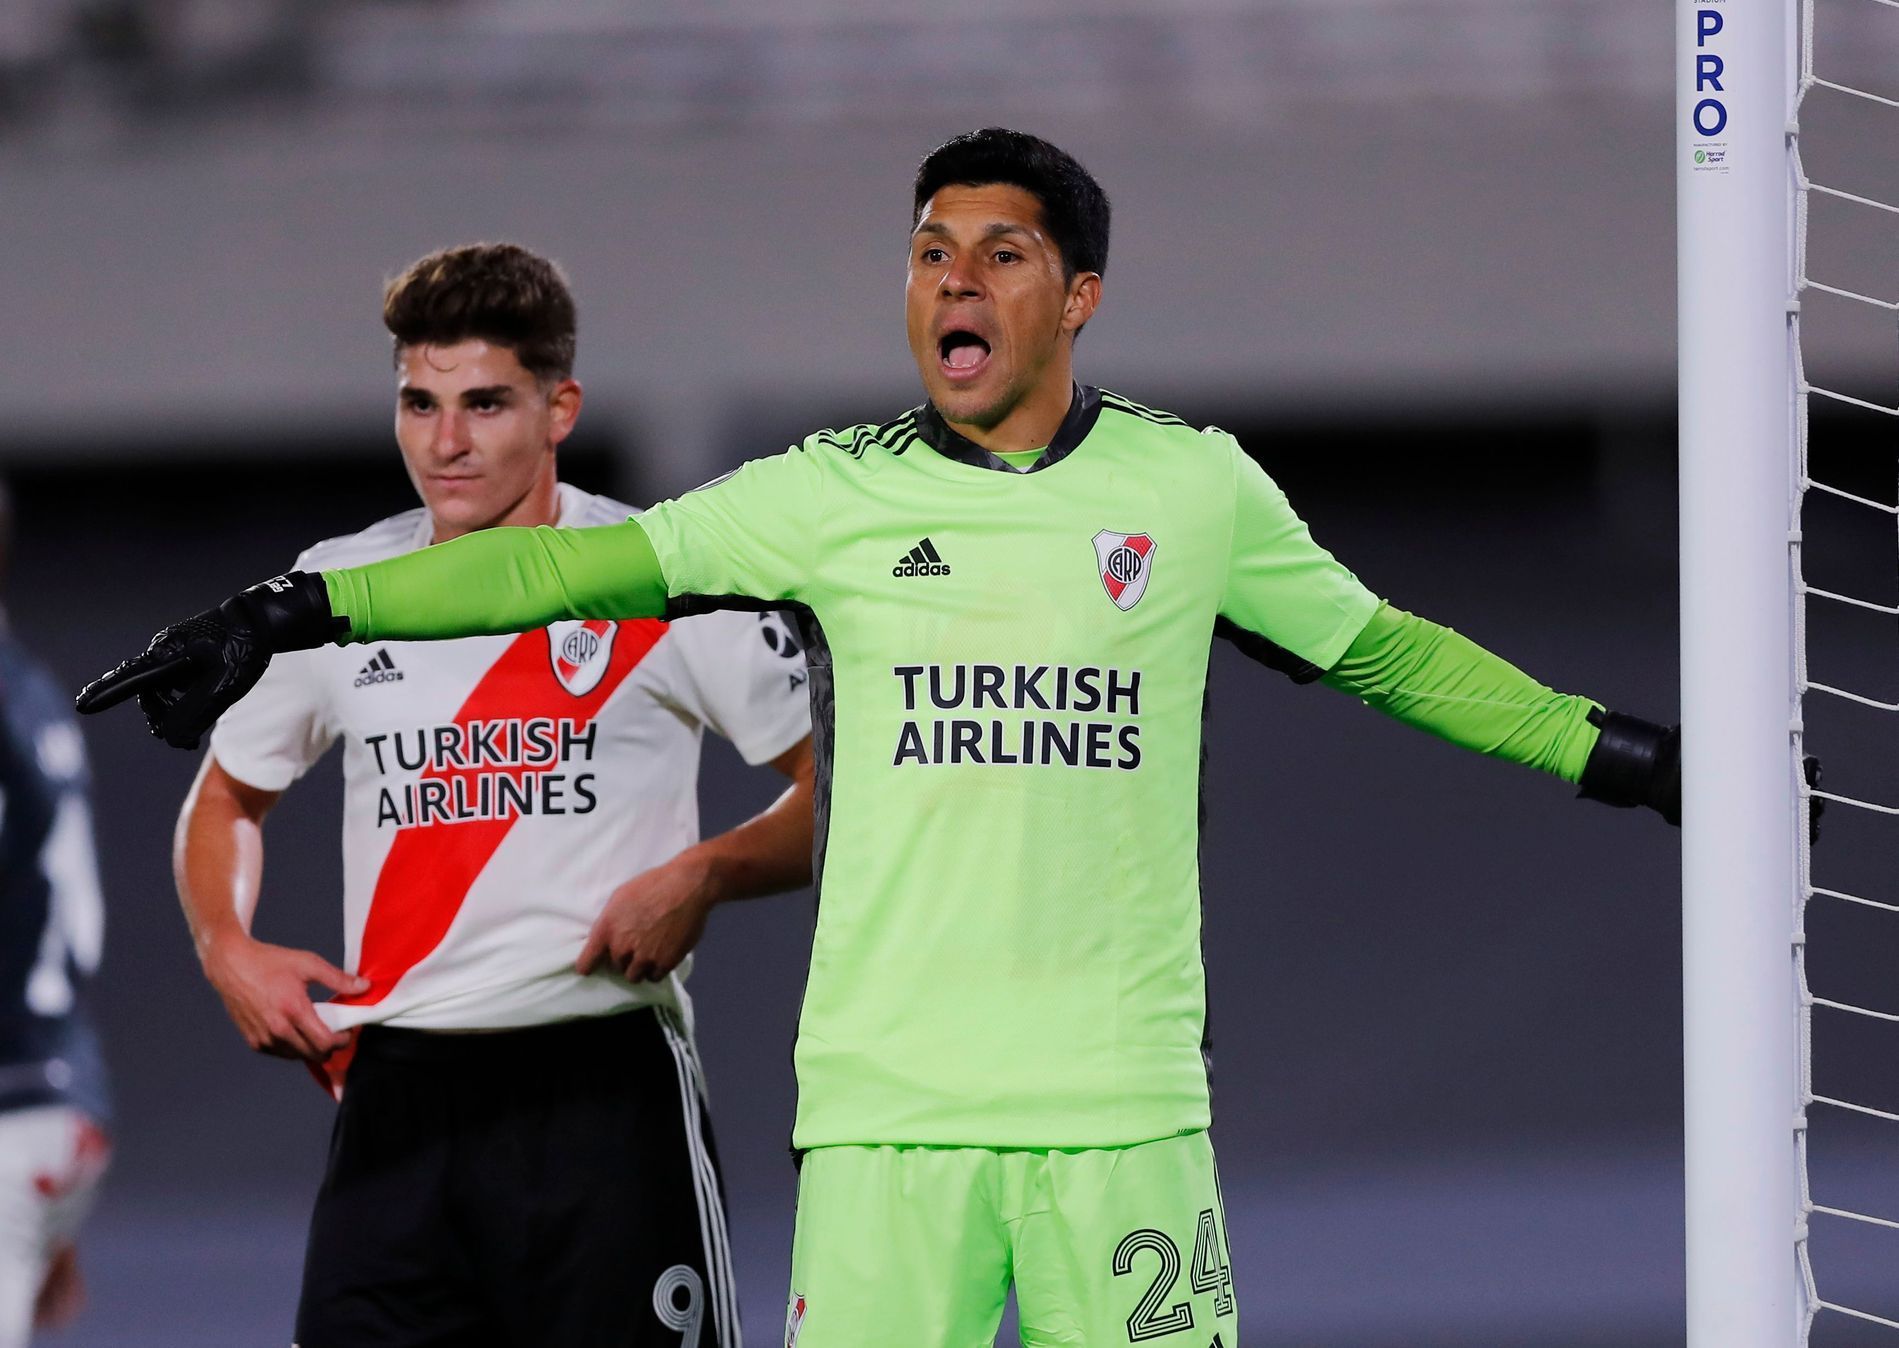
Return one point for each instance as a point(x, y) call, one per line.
point(430, 869)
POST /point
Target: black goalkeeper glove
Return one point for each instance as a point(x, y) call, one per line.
point(1637, 762)
point(195, 669)
point(1634, 762)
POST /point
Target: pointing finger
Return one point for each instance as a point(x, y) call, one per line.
point(130, 678)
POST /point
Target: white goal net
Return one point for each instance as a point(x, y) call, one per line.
point(1843, 143)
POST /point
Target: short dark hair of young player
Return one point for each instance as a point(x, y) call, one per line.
point(1074, 208)
point(495, 292)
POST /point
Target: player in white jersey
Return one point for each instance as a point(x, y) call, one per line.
point(521, 1153)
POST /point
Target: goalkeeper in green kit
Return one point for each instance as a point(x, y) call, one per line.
point(1009, 595)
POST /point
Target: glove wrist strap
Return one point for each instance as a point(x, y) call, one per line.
point(291, 612)
point(1634, 762)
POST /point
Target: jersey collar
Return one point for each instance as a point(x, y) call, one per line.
point(1083, 410)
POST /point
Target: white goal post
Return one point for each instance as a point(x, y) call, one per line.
point(1736, 79)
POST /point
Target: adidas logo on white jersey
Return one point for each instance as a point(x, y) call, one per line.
point(922, 560)
point(379, 670)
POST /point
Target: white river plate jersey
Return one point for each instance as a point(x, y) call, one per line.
point(497, 789)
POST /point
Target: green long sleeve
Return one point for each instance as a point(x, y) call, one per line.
point(501, 580)
point(1430, 677)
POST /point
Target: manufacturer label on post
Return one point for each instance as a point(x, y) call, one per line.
point(1708, 114)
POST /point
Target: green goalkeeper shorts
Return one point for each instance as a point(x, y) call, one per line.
point(917, 1246)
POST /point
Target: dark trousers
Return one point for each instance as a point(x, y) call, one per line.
point(547, 1186)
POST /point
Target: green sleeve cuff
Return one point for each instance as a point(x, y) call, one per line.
point(347, 596)
point(501, 580)
point(1430, 677)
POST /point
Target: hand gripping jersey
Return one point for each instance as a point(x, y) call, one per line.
point(497, 789)
point(1008, 685)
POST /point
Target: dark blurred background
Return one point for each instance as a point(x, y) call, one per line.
point(1418, 254)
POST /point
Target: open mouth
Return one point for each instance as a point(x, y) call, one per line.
point(962, 353)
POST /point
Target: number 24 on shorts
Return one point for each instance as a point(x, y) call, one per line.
point(1153, 1315)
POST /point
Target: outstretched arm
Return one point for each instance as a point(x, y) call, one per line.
point(497, 580)
point(501, 580)
point(755, 532)
point(1428, 676)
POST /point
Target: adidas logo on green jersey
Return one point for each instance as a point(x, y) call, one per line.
point(922, 560)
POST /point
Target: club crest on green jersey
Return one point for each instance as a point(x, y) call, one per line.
point(580, 652)
point(1126, 561)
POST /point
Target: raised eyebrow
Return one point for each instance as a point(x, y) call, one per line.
point(998, 229)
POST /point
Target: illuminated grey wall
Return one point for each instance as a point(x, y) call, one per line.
point(230, 289)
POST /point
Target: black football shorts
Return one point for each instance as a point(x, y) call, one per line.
point(545, 1186)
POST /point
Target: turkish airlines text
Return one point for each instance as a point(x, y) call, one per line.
point(1094, 719)
point(498, 769)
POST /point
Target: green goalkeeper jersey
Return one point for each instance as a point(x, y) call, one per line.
point(1009, 673)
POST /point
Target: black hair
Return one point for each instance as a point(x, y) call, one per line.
point(1074, 208)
